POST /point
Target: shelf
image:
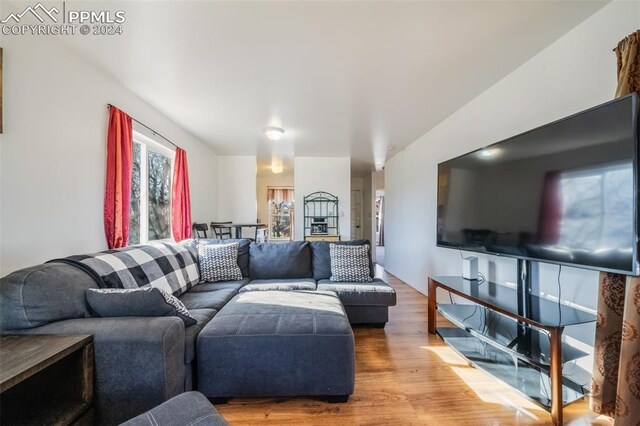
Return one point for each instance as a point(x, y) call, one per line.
point(528, 344)
point(529, 380)
point(321, 205)
point(544, 313)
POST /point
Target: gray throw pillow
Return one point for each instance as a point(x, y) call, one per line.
point(350, 263)
point(145, 301)
point(219, 262)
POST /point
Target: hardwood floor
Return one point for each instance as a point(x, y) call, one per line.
point(404, 376)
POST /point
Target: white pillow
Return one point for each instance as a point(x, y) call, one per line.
point(219, 262)
point(350, 263)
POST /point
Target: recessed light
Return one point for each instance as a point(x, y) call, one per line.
point(274, 133)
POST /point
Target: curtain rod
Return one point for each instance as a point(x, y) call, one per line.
point(148, 128)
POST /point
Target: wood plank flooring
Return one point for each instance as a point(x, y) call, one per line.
point(404, 376)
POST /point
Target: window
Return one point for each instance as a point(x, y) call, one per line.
point(595, 206)
point(150, 191)
point(281, 215)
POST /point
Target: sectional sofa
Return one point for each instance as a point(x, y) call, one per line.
point(142, 361)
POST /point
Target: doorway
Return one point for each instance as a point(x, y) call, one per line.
point(356, 214)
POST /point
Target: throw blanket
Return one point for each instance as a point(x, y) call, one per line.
point(167, 266)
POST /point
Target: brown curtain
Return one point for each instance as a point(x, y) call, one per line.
point(615, 389)
point(628, 56)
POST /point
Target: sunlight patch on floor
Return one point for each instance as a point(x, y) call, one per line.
point(448, 355)
point(484, 386)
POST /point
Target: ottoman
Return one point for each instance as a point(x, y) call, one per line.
point(278, 343)
point(189, 408)
point(365, 303)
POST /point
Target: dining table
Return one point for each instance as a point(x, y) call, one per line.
point(238, 227)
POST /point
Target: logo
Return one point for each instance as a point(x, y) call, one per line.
point(43, 20)
point(33, 10)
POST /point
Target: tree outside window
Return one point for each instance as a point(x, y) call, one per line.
point(150, 191)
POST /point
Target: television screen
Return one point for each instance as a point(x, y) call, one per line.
point(562, 193)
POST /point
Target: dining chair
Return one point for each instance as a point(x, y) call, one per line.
point(221, 232)
point(200, 230)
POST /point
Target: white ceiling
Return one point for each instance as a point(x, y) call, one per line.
point(342, 78)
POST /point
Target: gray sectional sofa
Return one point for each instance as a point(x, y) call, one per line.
point(141, 362)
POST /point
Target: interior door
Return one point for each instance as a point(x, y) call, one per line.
point(356, 214)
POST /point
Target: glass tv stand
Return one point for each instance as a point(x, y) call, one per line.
point(521, 347)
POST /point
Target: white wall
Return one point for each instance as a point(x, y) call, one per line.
point(237, 188)
point(378, 180)
point(576, 72)
point(328, 174)
point(54, 152)
point(263, 183)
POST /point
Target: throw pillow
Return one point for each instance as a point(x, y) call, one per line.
point(350, 263)
point(219, 262)
point(145, 301)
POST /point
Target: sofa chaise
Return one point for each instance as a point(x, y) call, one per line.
point(141, 362)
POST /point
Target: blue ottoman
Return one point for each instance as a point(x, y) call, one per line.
point(278, 343)
point(188, 409)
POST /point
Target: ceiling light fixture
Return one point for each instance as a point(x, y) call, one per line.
point(274, 133)
point(276, 166)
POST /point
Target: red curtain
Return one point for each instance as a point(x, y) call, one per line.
point(181, 201)
point(550, 210)
point(117, 197)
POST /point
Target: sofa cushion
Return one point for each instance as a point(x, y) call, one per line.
point(218, 262)
point(321, 257)
point(376, 293)
point(281, 284)
point(145, 301)
point(208, 299)
point(42, 294)
point(350, 263)
point(275, 261)
point(236, 285)
point(243, 249)
point(189, 408)
point(202, 316)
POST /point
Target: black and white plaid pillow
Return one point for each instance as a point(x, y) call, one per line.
point(350, 263)
point(146, 301)
point(219, 262)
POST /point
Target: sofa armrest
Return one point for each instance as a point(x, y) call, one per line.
point(139, 362)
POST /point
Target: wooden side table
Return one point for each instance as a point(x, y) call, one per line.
point(45, 379)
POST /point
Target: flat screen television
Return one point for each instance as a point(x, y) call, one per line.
point(565, 193)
